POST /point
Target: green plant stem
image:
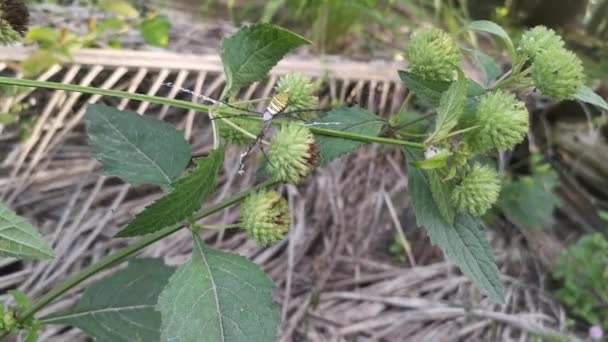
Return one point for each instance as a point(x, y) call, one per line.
point(221, 226)
point(451, 134)
point(515, 85)
point(515, 75)
point(364, 138)
point(261, 99)
point(406, 102)
point(214, 129)
point(104, 92)
point(123, 254)
point(190, 105)
point(243, 131)
point(413, 135)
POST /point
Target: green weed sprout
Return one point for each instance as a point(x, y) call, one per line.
point(582, 276)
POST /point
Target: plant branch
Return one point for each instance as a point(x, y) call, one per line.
point(405, 102)
point(364, 138)
point(221, 226)
point(104, 92)
point(123, 254)
point(190, 105)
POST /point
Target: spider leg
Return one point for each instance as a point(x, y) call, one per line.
point(204, 97)
point(242, 115)
point(258, 139)
point(265, 155)
point(299, 117)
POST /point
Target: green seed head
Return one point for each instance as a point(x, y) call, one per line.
point(300, 89)
point(477, 190)
point(9, 321)
point(538, 39)
point(233, 135)
point(293, 154)
point(265, 216)
point(432, 54)
point(501, 120)
point(558, 73)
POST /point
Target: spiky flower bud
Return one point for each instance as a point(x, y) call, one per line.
point(558, 73)
point(14, 18)
point(300, 89)
point(230, 133)
point(265, 216)
point(477, 190)
point(432, 54)
point(501, 120)
point(293, 154)
point(538, 39)
point(9, 322)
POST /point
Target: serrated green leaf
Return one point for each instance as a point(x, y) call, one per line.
point(587, 94)
point(186, 197)
point(451, 107)
point(155, 30)
point(249, 54)
point(20, 239)
point(491, 70)
point(218, 297)
point(440, 190)
point(121, 308)
point(118, 7)
point(347, 119)
point(462, 243)
point(138, 149)
point(430, 92)
point(497, 30)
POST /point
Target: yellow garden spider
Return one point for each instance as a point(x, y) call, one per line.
point(277, 106)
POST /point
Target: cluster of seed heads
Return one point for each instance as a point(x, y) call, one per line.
point(499, 120)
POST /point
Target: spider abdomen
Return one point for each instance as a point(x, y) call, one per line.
point(277, 104)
